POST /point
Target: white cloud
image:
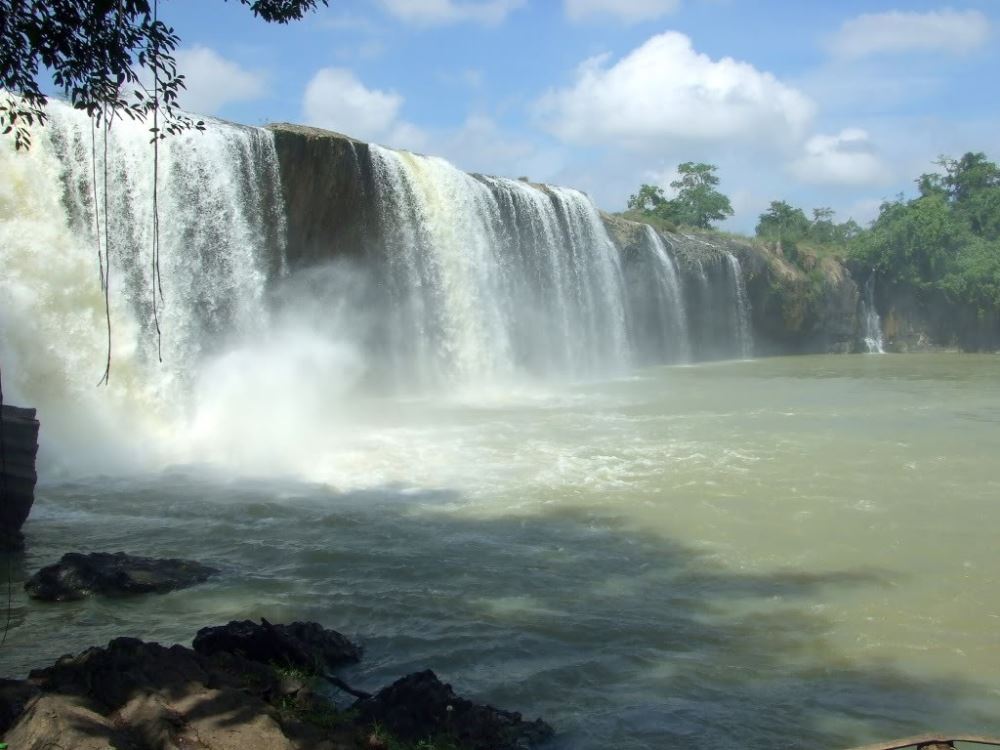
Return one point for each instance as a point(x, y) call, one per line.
point(951, 31)
point(212, 81)
point(666, 90)
point(628, 11)
point(446, 12)
point(847, 158)
point(336, 100)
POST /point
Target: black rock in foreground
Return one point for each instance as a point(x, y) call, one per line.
point(420, 707)
point(304, 645)
point(77, 576)
point(134, 695)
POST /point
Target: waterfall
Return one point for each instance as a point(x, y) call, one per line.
point(741, 302)
point(870, 320)
point(489, 278)
point(221, 229)
point(658, 319)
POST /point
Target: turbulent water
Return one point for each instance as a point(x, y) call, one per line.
point(444, 449)
point(789, 553)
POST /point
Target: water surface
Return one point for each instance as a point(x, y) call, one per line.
point(795, 552)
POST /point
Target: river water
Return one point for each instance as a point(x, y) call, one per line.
point(790, 552)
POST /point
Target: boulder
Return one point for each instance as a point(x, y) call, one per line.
point(78, 575)
point(304, 645)
point(420, 707)
point(144, 696)
point(19, 430)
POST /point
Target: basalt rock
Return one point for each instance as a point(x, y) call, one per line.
point(420, 707)
point(304, 645)
point(143, 696)
point(134, 695)
point(77, 576)
point(19, 430)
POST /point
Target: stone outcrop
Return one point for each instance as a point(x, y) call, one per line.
point(303, 645)
point(133, 695)
point(327, 184)
point(77, 576)
point(420, 706)
point(17, 473)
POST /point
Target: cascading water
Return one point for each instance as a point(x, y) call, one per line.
point(870, 320)
point(221, 229)
point(741, 301)
point(489, 277)
point(658, 318)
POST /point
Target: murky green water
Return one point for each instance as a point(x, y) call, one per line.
point(796, 552)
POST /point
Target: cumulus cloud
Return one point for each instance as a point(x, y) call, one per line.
point(847, 158)
point(666, 90)
point(447, 12)
point(950, 31)
point(628, 11)
point(212, 81)
point(336, 100)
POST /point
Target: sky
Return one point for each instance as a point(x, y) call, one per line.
point(822, 104)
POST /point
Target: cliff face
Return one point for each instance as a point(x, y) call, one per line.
point(810, 306)
point(917, 322)
point(327, 181)
point(798, 303)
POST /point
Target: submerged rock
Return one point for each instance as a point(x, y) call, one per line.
point(304, 645)
point(78, 575)
point(420, 707)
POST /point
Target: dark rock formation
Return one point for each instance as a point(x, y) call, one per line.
point(78, 575)
point(17, 473)
point(143, 696)
point(304, 645)
point(326, 181)
point(420, 707)
point(133, 695)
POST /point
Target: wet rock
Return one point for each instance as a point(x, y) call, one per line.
point(15, 695)
point(420, 707)
point(19, 430)
point(303, 645)
point(78, 575)
point(140, 695)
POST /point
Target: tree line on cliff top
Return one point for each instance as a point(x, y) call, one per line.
point(944, 240)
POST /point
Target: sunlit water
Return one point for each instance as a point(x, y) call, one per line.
point(793, 552)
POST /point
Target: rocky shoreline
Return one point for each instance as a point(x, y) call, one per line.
point(244, 685)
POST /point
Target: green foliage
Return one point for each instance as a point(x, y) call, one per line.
point(697, 203)
point(947, 238)
point(385, 739)
point(95, 50)
point(784, 223)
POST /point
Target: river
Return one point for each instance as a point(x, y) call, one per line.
point(789, 552)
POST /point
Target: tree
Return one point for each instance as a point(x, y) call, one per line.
point(783, 222)
point(698, 203)
point(95, 50)
point(649, 199)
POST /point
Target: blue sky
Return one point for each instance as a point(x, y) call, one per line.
point(838, 104)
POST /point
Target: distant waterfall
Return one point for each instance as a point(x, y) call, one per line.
point(870, 320)
point(658, 321)
point(744, 332)
point(489, 277)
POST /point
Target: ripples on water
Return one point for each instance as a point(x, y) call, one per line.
point(780, 553)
